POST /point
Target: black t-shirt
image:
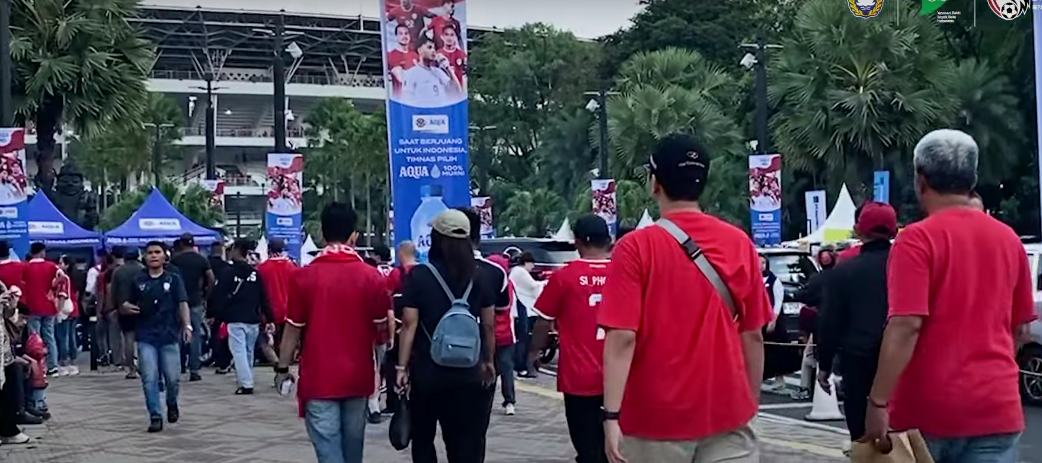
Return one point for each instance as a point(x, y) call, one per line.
point(192, 266)
point(159, 298)
point(420, 290)
point(495, 279)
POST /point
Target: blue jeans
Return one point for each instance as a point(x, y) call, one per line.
point(336, 429)
point(68, 347)
point(37, 399)
point(242, 339)
point(1000, 448)
point(155, 362)
point(194, 350)
point(44, 326)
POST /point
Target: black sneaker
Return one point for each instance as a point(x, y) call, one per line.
point(375, 418)
point(26, 419)
point(244, 391)
point(156, 425)
point(172, 414)
point(194, 377)
point(42, 414)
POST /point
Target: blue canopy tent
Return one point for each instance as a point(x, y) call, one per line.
point(158, 220)
point(49, 226)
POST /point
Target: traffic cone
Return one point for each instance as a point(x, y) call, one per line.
point(825, 406)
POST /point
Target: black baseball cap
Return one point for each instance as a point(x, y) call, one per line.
point(187, 240)
point(276, 245)
point(591, 229)
point(679, 160)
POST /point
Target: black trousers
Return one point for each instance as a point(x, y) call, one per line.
point(463, 413)
point(12, 399)
point(585, 427)
point(858, 373)
point(390, 375)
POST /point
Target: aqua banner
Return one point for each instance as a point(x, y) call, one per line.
point(284, 219)
point(425, 58)
point(14, 191)
point(765, 197)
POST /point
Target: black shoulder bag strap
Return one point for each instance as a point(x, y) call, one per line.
point(694, 252)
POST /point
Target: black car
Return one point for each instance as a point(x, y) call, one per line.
point(549, 254)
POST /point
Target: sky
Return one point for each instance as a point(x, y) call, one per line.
point(584, 18)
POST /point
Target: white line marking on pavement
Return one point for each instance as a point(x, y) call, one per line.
point(784, 406)
point(807, 424)
point(816, 449)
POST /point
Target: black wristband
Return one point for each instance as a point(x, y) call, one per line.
point(281, 370)
point(609, 416)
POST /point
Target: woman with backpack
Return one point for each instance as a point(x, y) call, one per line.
point(447, 345)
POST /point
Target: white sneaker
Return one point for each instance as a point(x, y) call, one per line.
point(21, 438)
point(74, 370)
point(63, 371)
point(508, 410)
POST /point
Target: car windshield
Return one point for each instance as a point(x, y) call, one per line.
point(557, 253)
point(790, 268)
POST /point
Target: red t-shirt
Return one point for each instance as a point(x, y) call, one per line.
point(457, 62)
point(505, 335)
point(850, 252)
point(573, 297)
point(11, 273)
point(688, 379)
point(411, 18)
point(437, 28)
point(38, 280)
point(276, 273)
point(398, 58)
point(336, 300)
point(968, 276)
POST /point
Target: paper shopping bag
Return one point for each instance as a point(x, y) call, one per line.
point(905, 447)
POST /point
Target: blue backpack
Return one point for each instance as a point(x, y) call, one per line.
point(457, 338)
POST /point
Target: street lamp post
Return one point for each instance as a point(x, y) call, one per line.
point(211, 129)
point(599, 105)
point(483, 174)
point(6, 111)
point(157, 147)
point(279, 69)
point(758, 61)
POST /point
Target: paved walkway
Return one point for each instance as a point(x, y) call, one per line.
point(100, 418)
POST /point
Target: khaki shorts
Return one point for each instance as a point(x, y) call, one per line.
point(738, 446)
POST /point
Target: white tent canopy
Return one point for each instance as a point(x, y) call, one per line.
point(645, 220)
point(565, 232)
point(262, 248)
point(839, 224)
point(306, 249)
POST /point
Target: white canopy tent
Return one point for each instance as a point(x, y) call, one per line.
point(840, 223)
point(565, 232)
point(306, 249)
point(262, 248)
point(645, 220)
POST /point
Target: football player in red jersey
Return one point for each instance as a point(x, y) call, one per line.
point(445, 17)
point(412, 16)
point(401, 58)
point(453, 52)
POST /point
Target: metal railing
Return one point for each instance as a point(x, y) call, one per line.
point(312, 79)
point(293, 132)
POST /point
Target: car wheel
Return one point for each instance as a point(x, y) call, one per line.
point(1030, 361)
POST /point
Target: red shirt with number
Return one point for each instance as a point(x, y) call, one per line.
point(962, 380)
point(573, 297)
point(276, 273)
point(337, 299)
point(688, 379)
point(413, 18)
point(38, 280)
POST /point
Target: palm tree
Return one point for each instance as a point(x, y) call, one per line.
point(985, 101)
point(192, 200)
point(853, 96)
point(533, 213)
point(76, 61)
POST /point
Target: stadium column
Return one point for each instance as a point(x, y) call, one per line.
point(211, 129)
point(279, 69)
point(6, 106)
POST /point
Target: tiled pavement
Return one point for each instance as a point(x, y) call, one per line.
point(100, 418)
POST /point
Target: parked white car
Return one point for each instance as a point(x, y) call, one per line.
point(1030, 356)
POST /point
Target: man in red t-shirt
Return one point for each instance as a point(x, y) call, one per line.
point(276, 273)
point(664, 319)
point(11, 270)
point(449, 36)
point(412, 16)
point(961, 299)
point(401, 58)
point(341, 301)
point(445, 17)
point(572, 297)
point(37, 284)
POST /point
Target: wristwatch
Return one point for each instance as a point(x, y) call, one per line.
point(609, 416)
point(281, 370)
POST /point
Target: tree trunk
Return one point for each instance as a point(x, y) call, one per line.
point(368, 212)
point(48, 120)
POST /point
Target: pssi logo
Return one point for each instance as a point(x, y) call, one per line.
point(431, 123)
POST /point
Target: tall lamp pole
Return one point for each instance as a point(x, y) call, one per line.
point(211, 129)
point(6, 111)
point(279, 69)
point(758, 61)
point(157, 150)
point(599, 105)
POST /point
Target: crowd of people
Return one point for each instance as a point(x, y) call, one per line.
point(650, 326)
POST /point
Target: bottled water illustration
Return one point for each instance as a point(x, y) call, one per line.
point(431, 205)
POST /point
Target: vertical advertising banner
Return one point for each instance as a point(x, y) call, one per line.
point(881, 186)
point(483, 206)
point(604, 205)
point(816, 210)
point(285, 201)
point(14, 191)
point(765, 198)
point(425, 63)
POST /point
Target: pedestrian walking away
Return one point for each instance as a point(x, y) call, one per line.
point(159, 301)
point(122, 285)
point(447, 299)
point(572, 298)
point(965, 401)
point(692, 270)
point(342, 302)
point(244, 308)
point(199, 280)
point(38, 280)
point(527, 289)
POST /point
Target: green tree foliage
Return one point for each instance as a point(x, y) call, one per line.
point(193, 201)
point(532, 213)
point(79, 62)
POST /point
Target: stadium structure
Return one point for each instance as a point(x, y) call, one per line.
point(338, 57)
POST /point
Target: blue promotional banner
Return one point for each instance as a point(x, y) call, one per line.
point(765, 198)
point(425, 58)
point(881, 186)
point(602, 191)
point(14, 192)
point(285, 201)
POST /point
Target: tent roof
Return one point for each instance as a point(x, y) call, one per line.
point(565, 232)
point(840, 222)
point(49, 226)
point(306, 249)
point(645, 220)
point(158, 220)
